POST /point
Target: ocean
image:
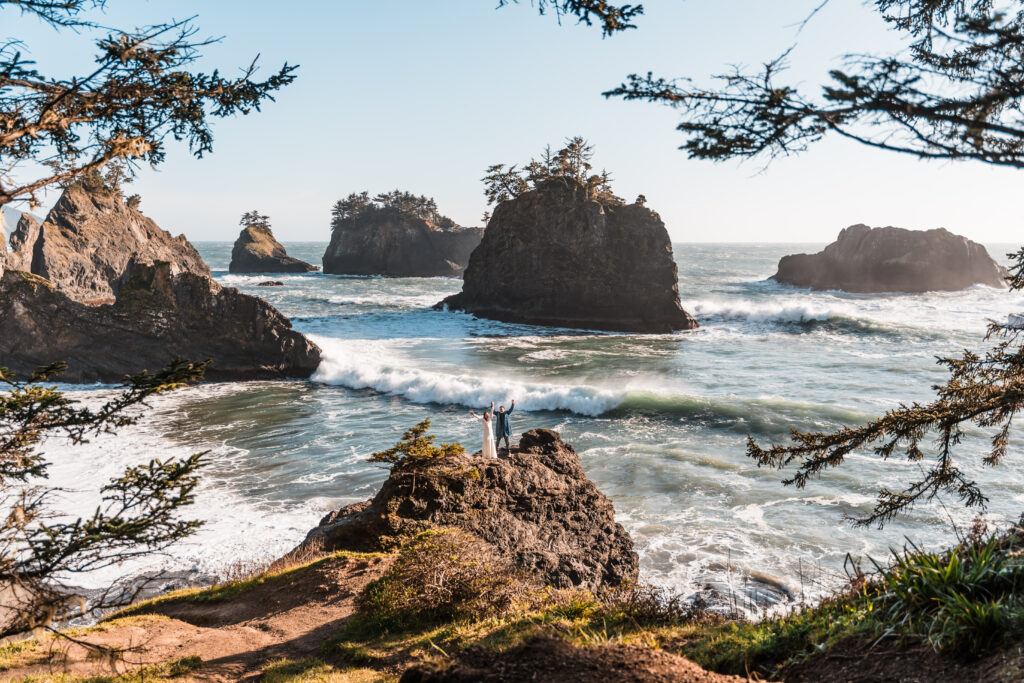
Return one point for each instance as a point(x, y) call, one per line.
point(660, 421)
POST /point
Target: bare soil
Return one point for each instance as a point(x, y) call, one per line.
point(235, 638)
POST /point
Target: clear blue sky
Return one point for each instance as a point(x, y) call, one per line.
point(422, 95)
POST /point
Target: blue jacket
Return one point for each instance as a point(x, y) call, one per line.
point(503, 428)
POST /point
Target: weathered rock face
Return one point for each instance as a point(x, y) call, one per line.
point(537, 506)
point(552, 256)
point(864, 259)
point(24, 237)
point(84, 245)
point(256, 251)
point(157, 316)
point(387, 242)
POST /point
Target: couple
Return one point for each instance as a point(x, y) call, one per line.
point(501, 430)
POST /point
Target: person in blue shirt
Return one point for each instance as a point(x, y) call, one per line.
point(502, 426)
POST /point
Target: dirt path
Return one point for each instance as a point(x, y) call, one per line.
point(236, 638)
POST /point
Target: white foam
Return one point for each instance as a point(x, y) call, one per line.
point(378, 365)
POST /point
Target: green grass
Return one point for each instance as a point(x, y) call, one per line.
point(316, 671)
point(232, 589)
point(965, 601)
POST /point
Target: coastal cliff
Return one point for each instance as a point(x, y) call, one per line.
point(556, 256)
point(399, 235)
point(87, 240)
point(158, 315)
point(536, 506)
point(869, 260)
point(256, 251)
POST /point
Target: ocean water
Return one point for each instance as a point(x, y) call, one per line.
point(660, 421)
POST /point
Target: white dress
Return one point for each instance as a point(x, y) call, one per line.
point(490, 451)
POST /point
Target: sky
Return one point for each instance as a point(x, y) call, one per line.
point(423, 95)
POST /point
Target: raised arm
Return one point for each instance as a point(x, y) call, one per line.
point(513, 406)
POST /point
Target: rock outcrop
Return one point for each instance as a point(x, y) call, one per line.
point(867, 260)
point(158, 315)
point(536, 506)
point(396, 244)
point(552, 256)
point(256, 251)
point(23, 239)
point(87, 240)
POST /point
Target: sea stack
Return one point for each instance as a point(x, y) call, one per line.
point(84, 245)
point(158, 315)
point(256, 251)
point(557, 256)
point(398, 235)
point(871, 260)
point(536, 506)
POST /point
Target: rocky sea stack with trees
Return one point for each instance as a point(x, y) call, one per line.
point(256, 250)
point(866, 260)
point(397, 234)
point(562, 250)
point(536, 507)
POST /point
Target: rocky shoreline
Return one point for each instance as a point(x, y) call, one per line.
point(101, 287)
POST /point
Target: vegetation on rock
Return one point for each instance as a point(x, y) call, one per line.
point(417, 449)
point(360, 205)
point(569, 164)
point(442, 575)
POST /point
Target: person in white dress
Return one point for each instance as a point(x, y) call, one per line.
point(489, 451)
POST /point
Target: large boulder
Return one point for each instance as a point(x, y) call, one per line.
point(158, 315)
point(256, 251)
point(87, 240)
point(397, 244)
point(554, 256)
point(864, 259)
point(536, 506)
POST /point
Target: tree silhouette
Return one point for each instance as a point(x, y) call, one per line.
point(254, 219)
point(140, 92)
point(40, 556)
point(571, 163)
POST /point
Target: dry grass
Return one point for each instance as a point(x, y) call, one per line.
point(442, 575)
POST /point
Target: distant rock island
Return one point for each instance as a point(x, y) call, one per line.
point(396, 234)
point(562, 250)
point(867, 260)
point(256, 250)
point(103, 288)
point(87, 240)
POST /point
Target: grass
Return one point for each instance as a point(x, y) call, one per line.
point(233, 588)
point(965, 601)
point(316, 671)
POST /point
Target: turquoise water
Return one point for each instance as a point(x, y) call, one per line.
point(660, 421)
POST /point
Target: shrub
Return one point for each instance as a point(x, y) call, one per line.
point(417, 449)
point(443, 575)
point(966, 598)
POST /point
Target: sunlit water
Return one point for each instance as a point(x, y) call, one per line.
point(660, 421)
